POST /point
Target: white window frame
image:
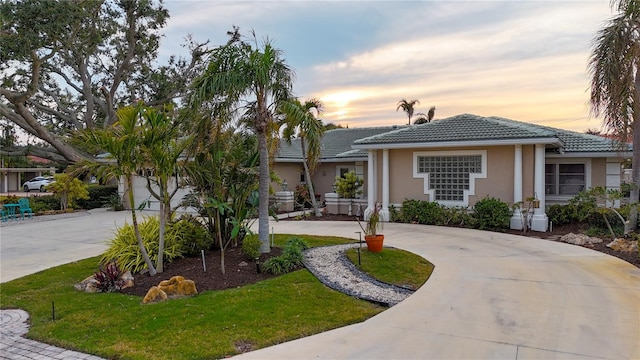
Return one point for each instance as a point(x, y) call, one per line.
point(562, 161)
point(472, 176)
point(349, 168)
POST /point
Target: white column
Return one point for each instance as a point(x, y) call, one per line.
point(516, 219)
point(371, 197)
point(540, 221)
point(385, 185)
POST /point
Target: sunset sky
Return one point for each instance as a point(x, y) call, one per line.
point(523, 60)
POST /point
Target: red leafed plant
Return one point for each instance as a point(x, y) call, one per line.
point(108, 278)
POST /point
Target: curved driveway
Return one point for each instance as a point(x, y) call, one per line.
point(491, 296)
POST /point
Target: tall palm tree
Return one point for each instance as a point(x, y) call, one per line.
point(302, 118)
point(615, 83)
point(408, 107)
point(254, 80)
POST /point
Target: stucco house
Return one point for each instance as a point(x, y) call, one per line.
point(458, 160)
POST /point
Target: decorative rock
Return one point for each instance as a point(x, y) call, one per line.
point(623, 245)
point(175, 287)
point(580, 239)
point(89, 285)
point(154, 295)
point(243, 264)
point(127, 280)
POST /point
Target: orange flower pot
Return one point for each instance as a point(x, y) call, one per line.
point(374, 242)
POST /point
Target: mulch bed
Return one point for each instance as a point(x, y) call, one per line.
point(238, 272)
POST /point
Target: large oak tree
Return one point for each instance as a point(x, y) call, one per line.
point(69, 65)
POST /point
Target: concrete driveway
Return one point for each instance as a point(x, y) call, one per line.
point(31, 245)
point(491, 296)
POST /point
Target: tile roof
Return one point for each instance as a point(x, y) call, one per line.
point(459, 129)
point(335, 143)
point(469, 128)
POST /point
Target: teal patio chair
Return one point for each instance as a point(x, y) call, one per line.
point(25, 208)
point(4, 214)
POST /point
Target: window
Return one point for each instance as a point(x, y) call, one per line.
point(565, 179)
point(450, 176)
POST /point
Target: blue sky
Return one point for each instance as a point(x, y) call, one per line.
point(523, 60)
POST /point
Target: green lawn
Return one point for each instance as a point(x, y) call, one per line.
point(213, 324)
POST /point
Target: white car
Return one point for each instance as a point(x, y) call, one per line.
point(37, 183)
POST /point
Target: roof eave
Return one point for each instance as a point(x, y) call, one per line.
point(592, 154)
point(441, 144)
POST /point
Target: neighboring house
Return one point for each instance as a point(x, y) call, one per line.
point(458, 160)
point(337, 158)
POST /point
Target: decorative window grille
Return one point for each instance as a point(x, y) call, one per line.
point(449, 175)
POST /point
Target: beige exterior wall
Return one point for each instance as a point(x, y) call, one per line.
point(598, 172)
point(323, 177)
point(289, 172)
point(499, 181)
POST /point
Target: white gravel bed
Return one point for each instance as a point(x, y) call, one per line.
point(331, 266)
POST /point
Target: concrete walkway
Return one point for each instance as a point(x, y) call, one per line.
point(492, 296)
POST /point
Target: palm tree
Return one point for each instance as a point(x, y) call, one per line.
point(407, 106)
point(426, 118)
point(615, 83)
point(255, 80)
point(301, 118)
point(120, 142)
point(161, 149)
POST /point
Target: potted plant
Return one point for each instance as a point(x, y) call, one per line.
point(372, 229)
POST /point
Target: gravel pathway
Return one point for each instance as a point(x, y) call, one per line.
point(331, 266)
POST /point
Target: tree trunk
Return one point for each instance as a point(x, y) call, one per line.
point(163, 224)
point(263, 193)
point(134, 220)
point(307, 175)
point(635, 162)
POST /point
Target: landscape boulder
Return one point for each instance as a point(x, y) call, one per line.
point(623, 245)
point(175, 287)
point(580, 239)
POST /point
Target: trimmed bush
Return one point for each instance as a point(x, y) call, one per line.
point(251, 247)
point(44, 203)
point(490, 213)
point(99, 196)
point(422, 212)
point(190, 235)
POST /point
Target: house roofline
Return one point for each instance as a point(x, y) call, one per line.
point(595, 154)
point(441, 144)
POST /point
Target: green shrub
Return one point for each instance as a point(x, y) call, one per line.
point(9, 199)
point(457, 216)
point(560, 214)
point(422, 212)
point(124, 248)
point(346, 186)
point(99, 196)
point(277, 266)
point(44, 203)
point(490, 213)
point(291, 258)
point(251, 247)
point(190, 235)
